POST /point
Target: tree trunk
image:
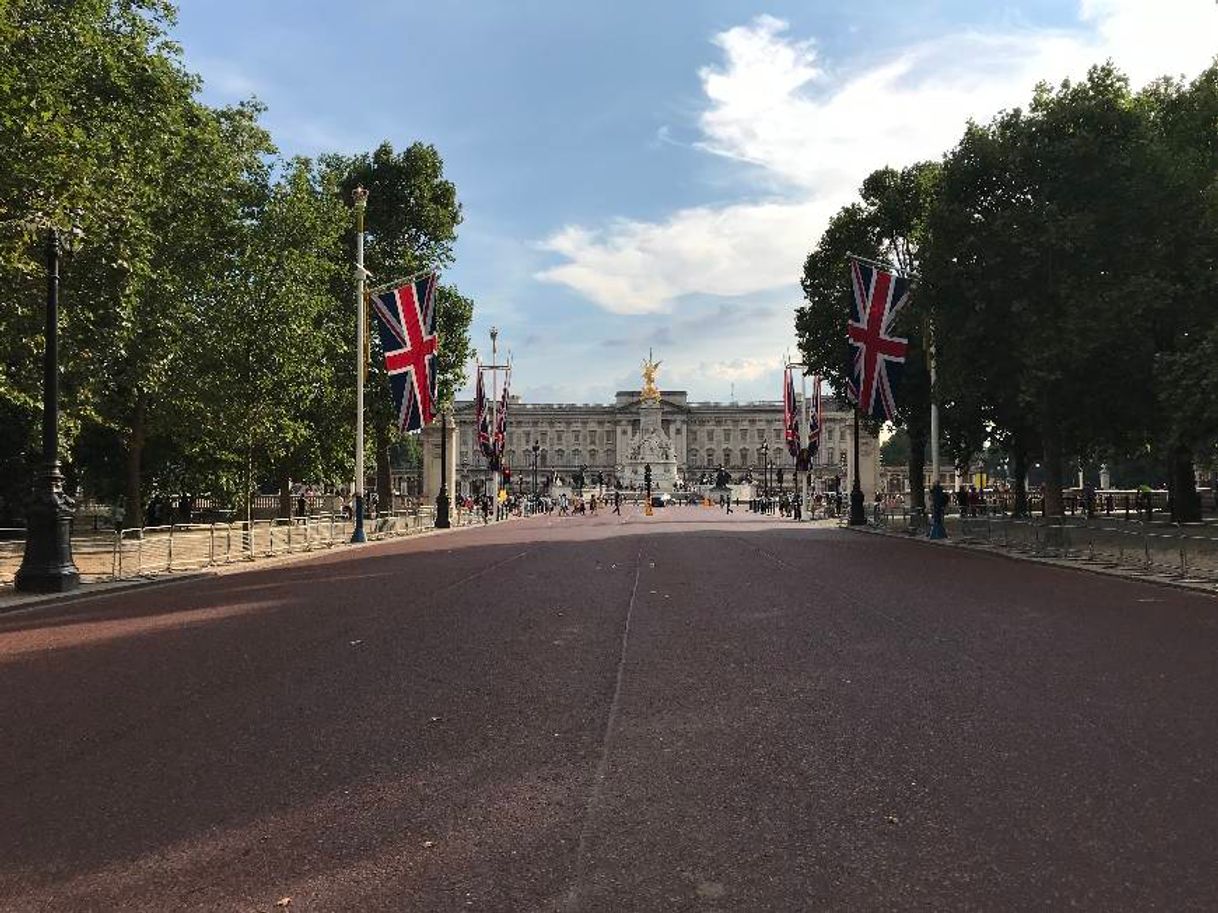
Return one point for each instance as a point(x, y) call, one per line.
point(917, 470)
point(135, 454)
point(1019, 466)
point(1053, 468)
point(1182, 483)
point(285, 496)
point(384, 478)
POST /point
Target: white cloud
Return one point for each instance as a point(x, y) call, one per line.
point(736, 369)
point(813, 132)
point(641, 267)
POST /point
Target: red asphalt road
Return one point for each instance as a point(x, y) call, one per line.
point(687, 712)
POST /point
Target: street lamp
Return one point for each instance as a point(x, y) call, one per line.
point(536, 455)
point(47, 565)
point(765, 476)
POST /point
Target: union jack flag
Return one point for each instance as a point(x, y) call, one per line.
point(878, 357)
point(790, 410)
point(815, 419)
point(481, 419)
point(407, 319)
point(501, 418)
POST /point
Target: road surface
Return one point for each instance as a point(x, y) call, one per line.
point(688, 712)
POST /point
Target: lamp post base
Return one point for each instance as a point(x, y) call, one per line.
point(442, 519)
point(47, 566)
point(858, 517)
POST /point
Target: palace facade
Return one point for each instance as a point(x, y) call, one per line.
point(704, 436)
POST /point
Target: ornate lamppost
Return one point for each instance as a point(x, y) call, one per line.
point(442, 499)
point(765, 477)
point(47, 565)
point(536, 456)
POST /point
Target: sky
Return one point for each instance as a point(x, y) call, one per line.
point(639, 175)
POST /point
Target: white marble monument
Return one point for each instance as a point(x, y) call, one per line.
point(651, 446)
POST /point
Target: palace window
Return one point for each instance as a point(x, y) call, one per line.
point(575, 436)
point(744, 457)
point(592, 457)
point(710, 435)
point(560, 457)
point(727, 457)
point(727, 435)
point(558, 437)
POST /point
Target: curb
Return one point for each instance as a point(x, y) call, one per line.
point(19, 604)
point(1204, 588)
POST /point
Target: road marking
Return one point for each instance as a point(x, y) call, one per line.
point(602, 767)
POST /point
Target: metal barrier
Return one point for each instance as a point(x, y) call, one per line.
point(151, 550)
point(1180, 551)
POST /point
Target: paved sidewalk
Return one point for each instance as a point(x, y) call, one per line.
point(1092, 566)
point(12, 601)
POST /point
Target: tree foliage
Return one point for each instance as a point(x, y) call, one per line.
point(1065, 256)
point(207, 331)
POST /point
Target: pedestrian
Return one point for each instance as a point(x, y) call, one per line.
point(617, 502)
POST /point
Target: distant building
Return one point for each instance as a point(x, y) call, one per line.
point(704, 436)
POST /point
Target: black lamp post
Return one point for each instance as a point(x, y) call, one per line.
point(47, 565)
point(442, 521)
point(857, 516)
point(765, 476)
point(536, 456)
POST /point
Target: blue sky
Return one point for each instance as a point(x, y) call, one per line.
point(652, 174)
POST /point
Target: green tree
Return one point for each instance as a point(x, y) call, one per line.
point(267, 348)
point(1035, 272)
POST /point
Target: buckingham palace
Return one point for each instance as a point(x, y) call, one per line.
point(701, 435)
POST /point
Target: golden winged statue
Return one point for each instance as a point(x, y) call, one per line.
point(650, 367)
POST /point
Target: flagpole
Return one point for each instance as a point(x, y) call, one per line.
point(360, 197)
point(805, 446)
point(495, 473)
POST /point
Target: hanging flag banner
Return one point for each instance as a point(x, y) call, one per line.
point(790, 413)
point(501, 418)
point(482, 420)
point(877, 357)
point(815, 418)
point(406, 316)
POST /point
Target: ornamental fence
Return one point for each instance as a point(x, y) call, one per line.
point(107, 555)
point(1186, 552)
